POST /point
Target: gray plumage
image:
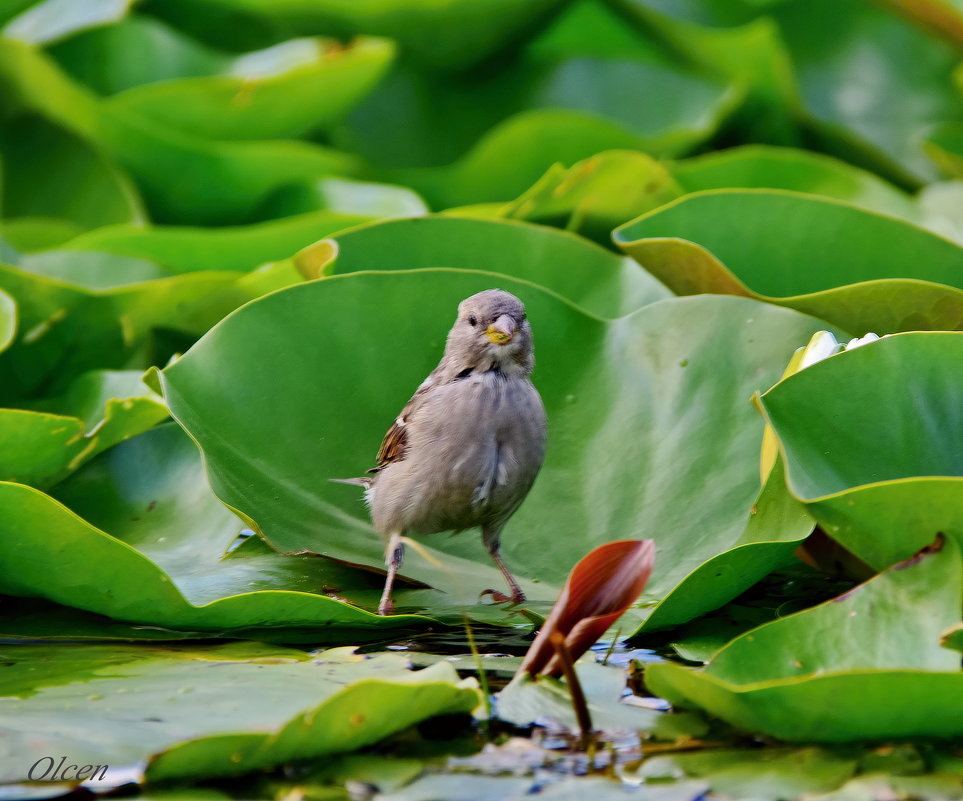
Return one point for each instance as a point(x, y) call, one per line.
point(465, 450)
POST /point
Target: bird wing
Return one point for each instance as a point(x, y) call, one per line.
point(394, 446)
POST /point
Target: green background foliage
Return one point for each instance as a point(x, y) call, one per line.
point(233, 234)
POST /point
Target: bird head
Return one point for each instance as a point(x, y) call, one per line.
point(491, 332)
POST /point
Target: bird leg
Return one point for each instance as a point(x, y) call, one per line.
point(492, 540)
point(394, 555)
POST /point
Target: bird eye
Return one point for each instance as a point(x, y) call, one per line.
point(473, 320)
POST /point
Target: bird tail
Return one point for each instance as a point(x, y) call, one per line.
point(363, 481)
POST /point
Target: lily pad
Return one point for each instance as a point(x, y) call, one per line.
point(859, 270)
point(431, 33)
point(8, 320)
point(883, 484)
point(513, 155)
point(40, 158)
point(282, 91)
point(49, 20)
point(628, 474)
point(285, 91)
point(595, 195)
point(219, 182)
point(67, 329)
point(759, 773)
point(595, 279)
point(100, 409)
point(187, 717)
point(164, 557)
point(762, 166)
point(240, 248)
point(865, 665)
point(912, 71)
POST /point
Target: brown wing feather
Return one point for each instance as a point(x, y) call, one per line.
point(394, 446)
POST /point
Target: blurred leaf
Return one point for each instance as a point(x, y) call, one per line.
point(595, 195)
point(438, 121)
point(286, 91)
point(50, 20)
point(865, 665)
point(185, 718)
point(601, 586)
point(835, 45)
point(29, 234)
point(526, 700)
point(218, 182)
point(511, 157)
point(8, 320)
point(763, 167)
point(621, 460)
point(40, 159)
point(944, 146)
point(91, 269)
point(859, 270)
point(239, 248)
point(953, 637)
point(881, 477)
point(757, 773)
point(941, 209)
point(281, 91)
point(163, 559)
point(348, 197)
point(747, 51)
point(436, 34)
point(133, 52)
point(595, 279)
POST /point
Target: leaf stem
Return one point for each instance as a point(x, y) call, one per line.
point(579, 704)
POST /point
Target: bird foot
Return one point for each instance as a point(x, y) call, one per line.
point(517, 597)
point(386, 607)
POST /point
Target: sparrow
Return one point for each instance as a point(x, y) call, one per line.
point(466, 449)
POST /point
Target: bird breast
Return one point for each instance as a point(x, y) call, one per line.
point(474, 448)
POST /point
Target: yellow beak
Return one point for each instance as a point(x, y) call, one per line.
point(502, 330)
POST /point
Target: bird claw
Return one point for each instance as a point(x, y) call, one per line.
point(386, 607)
point(500, 598)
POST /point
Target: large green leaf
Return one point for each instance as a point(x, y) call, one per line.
point(867, 664)
point(164, 555)
point(870, 438)
point(859, 270)
point(208, 711)
point(595, 279)
point(239, 248)
point(622, 461)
